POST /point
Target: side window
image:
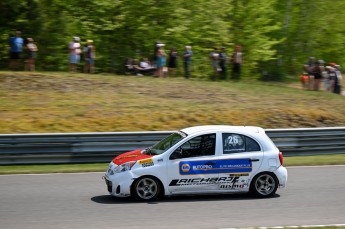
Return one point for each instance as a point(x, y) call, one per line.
point(236, 143)
point(252, 145)
point(199, 146)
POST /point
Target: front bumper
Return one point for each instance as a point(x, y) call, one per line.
point(119, 184)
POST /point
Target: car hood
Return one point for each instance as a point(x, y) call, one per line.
point(134, 155)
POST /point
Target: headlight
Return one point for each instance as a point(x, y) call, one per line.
point(124, 167)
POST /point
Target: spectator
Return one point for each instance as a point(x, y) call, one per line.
point(158, 45)
point(222, 63)
point(145, 63)
point(237, 61)
point(74, 54)
point(31, 55)
point(187, 59)
point(172, 62)
point(144, 67)
point(16, 48)
point(335, 78)
point(161, 61)
point(309, 68)
point(89, 56)
point(317, 72)
point(129, 68)
point(214, 56)
point(305, 80)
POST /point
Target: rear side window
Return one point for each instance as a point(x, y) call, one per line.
point(236, 143)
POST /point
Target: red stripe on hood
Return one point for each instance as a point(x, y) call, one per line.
point(134, 155)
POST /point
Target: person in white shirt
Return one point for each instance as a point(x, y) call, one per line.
point(31, 49)
point(237, 61)
point(74, 54)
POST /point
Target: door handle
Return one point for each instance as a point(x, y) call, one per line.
point(254, 159)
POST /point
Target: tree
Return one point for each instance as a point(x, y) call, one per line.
point(253, 29)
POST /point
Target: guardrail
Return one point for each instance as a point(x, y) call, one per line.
point(102, 147)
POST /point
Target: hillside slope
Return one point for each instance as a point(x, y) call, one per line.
point(63, 102)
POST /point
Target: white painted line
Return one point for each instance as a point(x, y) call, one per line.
point(280, 227)
point(313, 166)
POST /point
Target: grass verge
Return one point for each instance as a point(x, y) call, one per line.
point(62, 103)
point(338, 159)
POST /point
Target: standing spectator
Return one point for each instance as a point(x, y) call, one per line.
point(187, 59)
point(31, 49)
point(317, 72)
point(89, 56)
point(172, 62)
point(161, 61)
point(214, 56)
point(16, 48)
point(309, 68)
point(74, 54)
point(222, 63)
point(237, 61)
point(335, 78)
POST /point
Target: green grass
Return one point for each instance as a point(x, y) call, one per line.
point(309, 227)
point(63, 102)
point(61, 168)
point(338, 159)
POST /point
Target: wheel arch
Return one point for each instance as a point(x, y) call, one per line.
point(264, 172)
point(162, 193)
point(251, 186)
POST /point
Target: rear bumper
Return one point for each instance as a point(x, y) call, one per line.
point(282, 176)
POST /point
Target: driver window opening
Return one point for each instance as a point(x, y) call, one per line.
point(203, 145)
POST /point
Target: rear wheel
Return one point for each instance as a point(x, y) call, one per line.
point(146, 188)
point(264, 185)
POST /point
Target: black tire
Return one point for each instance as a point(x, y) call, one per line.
point(264, 185)
point(146, 188)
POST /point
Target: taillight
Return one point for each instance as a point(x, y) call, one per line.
point(281, 158)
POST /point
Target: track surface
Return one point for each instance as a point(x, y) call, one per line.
point(314, 195)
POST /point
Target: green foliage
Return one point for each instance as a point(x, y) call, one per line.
point(277, 36)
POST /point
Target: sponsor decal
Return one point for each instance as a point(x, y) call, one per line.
point(202, 181)
point(185, 168)
point(230, 182)
point(233, 186)
point(215, 166)
point(146, 162)
point(129, 156)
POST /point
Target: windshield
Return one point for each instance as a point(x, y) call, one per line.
point(165, 144)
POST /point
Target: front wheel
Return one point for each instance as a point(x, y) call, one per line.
point(264, 185)
point(146, 188)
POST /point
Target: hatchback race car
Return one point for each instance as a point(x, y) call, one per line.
point(199, 160)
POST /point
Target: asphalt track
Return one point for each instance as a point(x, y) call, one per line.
point(314, 196)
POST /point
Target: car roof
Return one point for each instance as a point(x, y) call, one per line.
point(223, 128)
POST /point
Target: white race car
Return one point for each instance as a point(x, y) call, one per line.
point(199, 160)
